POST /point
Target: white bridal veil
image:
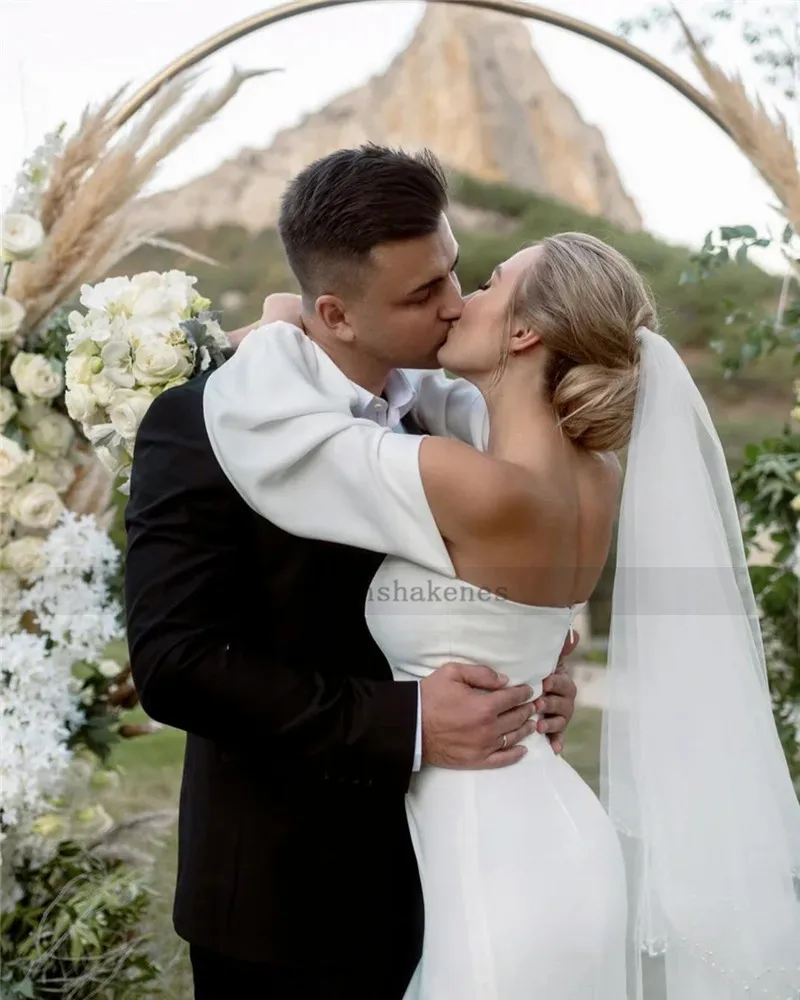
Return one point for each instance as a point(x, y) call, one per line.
point(693, 773)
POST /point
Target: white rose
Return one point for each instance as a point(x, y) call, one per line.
point(11, 316)
point(102, 389)
point(37, 506)
point(57, 472)
point(36, 377)
point(24, 557)
point(15, 463)
point(8, 406)
point(118, 362)
point(126, 411)
point(22, 235)
point(53, 435)
point(157, 361)
point(6, 524)
point(80, 402)
point(80, 368)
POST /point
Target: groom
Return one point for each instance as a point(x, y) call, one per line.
point(296, 874)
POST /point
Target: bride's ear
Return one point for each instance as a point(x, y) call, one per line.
point(523, 339)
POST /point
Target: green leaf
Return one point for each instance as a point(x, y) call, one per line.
point(788, 233)
point(741, 254)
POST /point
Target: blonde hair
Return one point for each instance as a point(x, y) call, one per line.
point(586, 301)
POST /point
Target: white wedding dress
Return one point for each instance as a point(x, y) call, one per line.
point(526, 894)
point(521, 869)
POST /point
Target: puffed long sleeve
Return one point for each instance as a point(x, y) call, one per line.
point(280, 419)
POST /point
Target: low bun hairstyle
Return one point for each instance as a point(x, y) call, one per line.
point(586, 301)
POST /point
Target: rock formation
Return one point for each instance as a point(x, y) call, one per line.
point(469, 86)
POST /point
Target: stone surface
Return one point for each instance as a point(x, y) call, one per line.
point(469, 86)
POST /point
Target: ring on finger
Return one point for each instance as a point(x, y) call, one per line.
point(504, 742)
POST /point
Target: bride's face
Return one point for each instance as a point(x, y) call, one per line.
point(475, 344)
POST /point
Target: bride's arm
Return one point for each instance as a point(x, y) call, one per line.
point(279, 419)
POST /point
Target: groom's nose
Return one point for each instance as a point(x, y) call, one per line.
point(453, 304)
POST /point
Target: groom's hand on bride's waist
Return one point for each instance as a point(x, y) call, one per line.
point(472, 719)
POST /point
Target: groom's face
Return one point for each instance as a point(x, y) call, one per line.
point(407, 301)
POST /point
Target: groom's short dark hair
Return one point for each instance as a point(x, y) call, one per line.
point(338, 209)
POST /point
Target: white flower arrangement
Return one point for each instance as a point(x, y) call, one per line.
point(138, 337)
point(64, 616)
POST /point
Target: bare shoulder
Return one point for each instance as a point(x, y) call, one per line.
point(470, 491)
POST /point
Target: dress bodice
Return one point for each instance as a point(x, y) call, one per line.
point(422, 619)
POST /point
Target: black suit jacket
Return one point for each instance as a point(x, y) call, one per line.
point(293, 842)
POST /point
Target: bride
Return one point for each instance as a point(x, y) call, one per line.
point(686, 870)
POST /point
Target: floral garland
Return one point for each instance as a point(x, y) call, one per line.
point(72, 892)
point(56, 568)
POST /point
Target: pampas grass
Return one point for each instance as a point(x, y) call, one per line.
point(87, 207)
point(764, 138)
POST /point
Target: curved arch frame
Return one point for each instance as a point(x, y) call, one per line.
point(532, 12)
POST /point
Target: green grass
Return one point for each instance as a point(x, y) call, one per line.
point(151, 774)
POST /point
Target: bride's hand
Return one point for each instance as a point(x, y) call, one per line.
point(557, 701)
point(283, 307)
point(278, 307)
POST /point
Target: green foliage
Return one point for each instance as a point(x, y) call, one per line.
point(753, 335)
point(768, 482)
point(766, 485)
point(768, 30)
point(74, 933)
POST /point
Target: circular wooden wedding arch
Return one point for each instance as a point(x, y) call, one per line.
point(522, 9)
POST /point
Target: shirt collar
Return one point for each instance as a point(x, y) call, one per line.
point(389, 410)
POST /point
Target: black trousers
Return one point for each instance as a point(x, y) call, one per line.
point(219, 978)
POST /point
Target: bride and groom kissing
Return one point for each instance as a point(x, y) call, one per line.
point(374, 804)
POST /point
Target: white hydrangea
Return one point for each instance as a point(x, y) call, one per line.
point(37, 712)
point(69, 601)
point(69, 598)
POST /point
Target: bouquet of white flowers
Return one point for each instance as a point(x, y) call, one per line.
point(138, 337)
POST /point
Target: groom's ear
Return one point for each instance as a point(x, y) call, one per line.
point(331, 312)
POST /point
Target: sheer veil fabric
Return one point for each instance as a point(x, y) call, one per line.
point(693, 773)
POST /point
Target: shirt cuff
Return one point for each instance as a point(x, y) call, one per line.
point(418, 747)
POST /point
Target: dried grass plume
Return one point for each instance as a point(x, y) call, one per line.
point(86, 210)
point(764, 138)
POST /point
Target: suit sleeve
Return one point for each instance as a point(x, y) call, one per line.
point(191, 666)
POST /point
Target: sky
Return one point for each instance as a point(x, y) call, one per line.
point(56, 57)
